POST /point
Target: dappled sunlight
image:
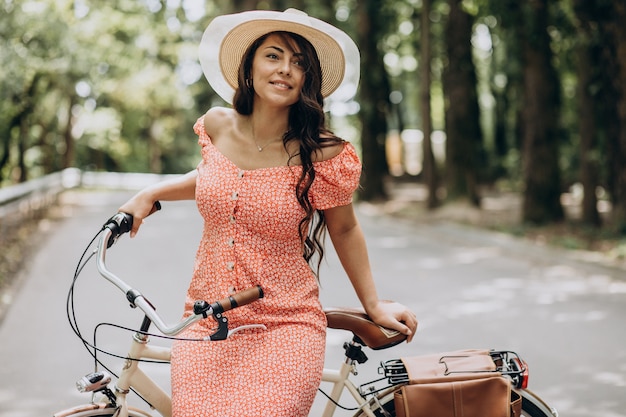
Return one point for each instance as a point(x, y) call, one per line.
point(560, 283)
point(578, 317)
point(390, 242)
point(485, 298)
point(475, 307)
point(472, 255)
point(610, 378)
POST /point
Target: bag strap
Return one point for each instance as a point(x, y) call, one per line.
point(516, 404)
point(450, 366)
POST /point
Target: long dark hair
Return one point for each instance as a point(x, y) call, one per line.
point(307, 125)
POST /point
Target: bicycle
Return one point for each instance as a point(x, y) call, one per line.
point(372, 399)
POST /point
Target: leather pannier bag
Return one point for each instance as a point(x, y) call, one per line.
point(462, 383)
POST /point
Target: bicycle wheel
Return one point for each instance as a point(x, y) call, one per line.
point(90, 410)
point(532, 406)
point(382, 405)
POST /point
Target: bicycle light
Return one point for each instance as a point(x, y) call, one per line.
point(521, 366)
point(93, 382)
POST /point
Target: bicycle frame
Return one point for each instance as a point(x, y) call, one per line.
point(132, 376)
point(340, 378)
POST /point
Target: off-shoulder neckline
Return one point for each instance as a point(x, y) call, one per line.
point(270, 168)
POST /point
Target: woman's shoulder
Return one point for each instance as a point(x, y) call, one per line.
point(218, 118)
point(332, 146)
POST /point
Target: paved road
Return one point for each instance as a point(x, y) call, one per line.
point(469, 288)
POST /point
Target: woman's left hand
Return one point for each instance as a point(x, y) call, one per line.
point(394, 316)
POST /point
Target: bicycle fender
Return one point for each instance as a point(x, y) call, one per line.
point(135, 412)
point(533, 400)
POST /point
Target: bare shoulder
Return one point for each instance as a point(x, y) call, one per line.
point(217, 119)
point(329, 151)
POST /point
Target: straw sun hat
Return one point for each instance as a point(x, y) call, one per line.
point(227, 38)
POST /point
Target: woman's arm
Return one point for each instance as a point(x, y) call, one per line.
point(179, 188)
point(349, 242)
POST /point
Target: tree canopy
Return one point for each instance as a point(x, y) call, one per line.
point(531, 93)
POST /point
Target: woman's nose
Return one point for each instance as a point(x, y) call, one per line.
point(285, 67)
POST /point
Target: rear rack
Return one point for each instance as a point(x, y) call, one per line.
point(507, 362)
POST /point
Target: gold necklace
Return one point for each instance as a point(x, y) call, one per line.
point(259, 147)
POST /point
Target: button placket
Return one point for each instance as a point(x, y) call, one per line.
point(230, 241)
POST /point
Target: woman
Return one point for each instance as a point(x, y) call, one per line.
point(272, 179)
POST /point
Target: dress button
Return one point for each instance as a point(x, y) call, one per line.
point(234, 195)
point(231, 242)
point(231, 218)
point(240, 174)
point(230, 266)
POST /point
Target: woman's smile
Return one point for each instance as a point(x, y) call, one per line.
point(278, 64)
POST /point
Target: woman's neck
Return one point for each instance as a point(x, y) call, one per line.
point(268, 123)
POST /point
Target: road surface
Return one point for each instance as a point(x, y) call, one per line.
point(469, 288)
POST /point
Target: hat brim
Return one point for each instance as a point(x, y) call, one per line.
point(227, 38)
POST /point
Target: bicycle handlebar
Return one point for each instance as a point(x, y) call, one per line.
point(122, 223)
point(239, 299)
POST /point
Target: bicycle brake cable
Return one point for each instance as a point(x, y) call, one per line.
point(73, 320)
point(336, 403)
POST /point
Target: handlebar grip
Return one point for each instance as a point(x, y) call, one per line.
point(155, 207)
point(239, 299)
point(122, 223)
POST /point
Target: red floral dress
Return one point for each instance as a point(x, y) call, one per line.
point(251, 237)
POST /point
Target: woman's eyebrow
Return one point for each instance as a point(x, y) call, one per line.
point(282, 51)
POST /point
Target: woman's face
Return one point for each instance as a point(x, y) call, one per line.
point(278, 72)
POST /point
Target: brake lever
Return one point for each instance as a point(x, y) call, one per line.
point(246, 327)
point(220, 334)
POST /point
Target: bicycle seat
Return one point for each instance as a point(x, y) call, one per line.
point(364, 329)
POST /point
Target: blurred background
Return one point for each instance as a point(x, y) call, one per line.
point(459, 100)
point(505, 114)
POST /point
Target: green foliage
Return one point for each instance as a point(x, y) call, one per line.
point(108, 81)
point(116, 85)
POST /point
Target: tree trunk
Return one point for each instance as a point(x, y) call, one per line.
point(587, 103)
point(540, 122)
point(463, 133)
point(430, 165)
point(70, 148)
point(587, 129)
point(619, 199)
point(154, 150)
point(506, 60)
point(21, 150)
point(5, 136)
point(374, 100)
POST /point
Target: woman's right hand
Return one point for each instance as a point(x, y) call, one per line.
point(140, 206)
point(181, 187)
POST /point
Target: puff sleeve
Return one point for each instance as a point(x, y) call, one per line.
point(203, 138)
point(336, 179)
